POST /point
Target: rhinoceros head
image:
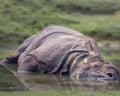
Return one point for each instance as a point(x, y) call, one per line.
point(91, 65)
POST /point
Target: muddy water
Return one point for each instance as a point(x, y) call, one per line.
point(10, 80)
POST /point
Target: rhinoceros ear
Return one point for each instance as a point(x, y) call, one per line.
point(77, 62)
point(91, 46)
point(80, 58)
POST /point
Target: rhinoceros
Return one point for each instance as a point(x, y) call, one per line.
point(60, 50)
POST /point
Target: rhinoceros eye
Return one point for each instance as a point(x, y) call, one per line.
point(95, 66)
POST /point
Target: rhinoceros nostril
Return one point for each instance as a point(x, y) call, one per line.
point(110, 74)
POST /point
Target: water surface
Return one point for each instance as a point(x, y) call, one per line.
point(10, 80)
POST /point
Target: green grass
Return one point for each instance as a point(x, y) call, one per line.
point(88, 6)
point(60, 93)
point(7, 49)
point(111, 55)
point(20, 19)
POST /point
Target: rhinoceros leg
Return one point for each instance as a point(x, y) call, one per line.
point(28, 64)
point(14, 57)
point(31, 64)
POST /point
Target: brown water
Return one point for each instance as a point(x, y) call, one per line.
point(10, 80)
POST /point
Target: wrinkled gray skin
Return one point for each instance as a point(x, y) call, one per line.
point(59, 50)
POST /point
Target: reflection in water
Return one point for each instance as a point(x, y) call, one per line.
point(48, 82)
point(8, 81)
point(43, 82)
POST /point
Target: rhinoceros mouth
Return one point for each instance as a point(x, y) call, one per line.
point(100, 77)
point(88, 75)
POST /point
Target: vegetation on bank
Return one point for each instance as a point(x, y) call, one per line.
point(60, 93)
point(22, 18)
